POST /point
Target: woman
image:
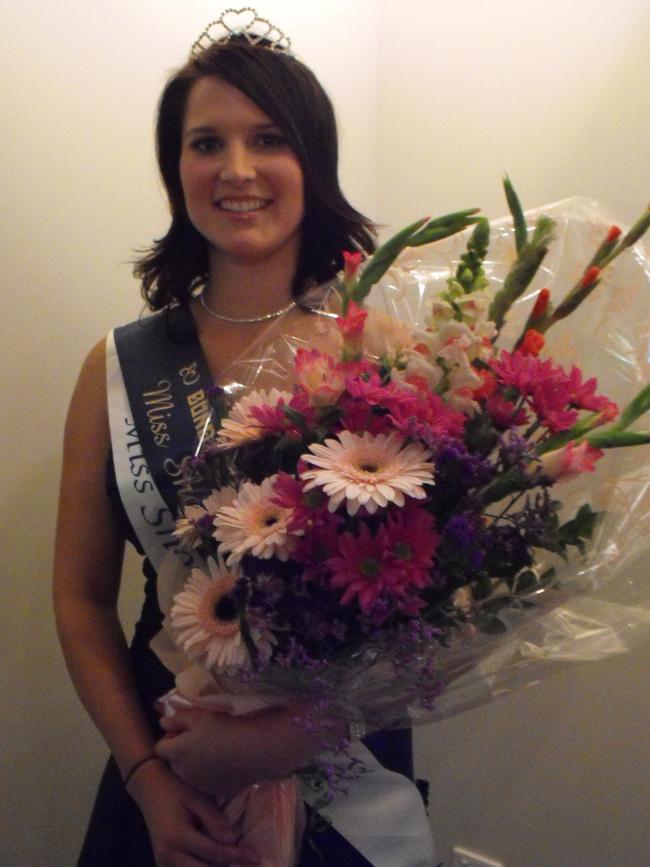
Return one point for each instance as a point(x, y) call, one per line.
point(247, 149)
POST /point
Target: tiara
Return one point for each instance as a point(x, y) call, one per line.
point(246, 23)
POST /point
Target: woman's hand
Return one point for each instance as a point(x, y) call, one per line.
point(185, 826)
point(221, 754)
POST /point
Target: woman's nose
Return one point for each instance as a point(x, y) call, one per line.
point(238, 166)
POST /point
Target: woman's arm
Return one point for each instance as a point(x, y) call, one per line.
point(220, 754)
point(88, 561)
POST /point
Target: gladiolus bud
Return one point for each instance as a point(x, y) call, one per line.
point(351, 262)
point(569, 461)
point(533, 342)
point(541, 304)
point(590, 276)
point(351, 327)
point(613, 235)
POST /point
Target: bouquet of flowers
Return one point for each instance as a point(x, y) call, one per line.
point(376, 523)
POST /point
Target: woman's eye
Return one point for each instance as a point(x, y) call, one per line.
point(205, 145)
point(271, 140)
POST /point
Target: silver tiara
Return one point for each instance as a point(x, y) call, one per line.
point(246, 23)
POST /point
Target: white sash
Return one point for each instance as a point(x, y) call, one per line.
point(381, 815)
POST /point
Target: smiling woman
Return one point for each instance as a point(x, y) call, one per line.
point(247, 149)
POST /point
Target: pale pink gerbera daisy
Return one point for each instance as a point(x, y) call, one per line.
point(367, 470)
point(197, 520)
point(254, 523)
point(205, 619)
point(241, 426)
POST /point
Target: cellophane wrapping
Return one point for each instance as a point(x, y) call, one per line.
point(596, 604)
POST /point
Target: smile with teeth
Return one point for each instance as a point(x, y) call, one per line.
point(242, 206)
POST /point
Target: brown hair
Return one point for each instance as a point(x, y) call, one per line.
point(289, 93)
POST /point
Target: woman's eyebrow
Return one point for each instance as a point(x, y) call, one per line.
point(206, 129)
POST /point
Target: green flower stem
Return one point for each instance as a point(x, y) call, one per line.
point(579, 430)
point(615, 439)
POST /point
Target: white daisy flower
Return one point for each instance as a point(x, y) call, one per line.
point(254, 524)
point(205, 620)
point(367, 470)
point(240, 426)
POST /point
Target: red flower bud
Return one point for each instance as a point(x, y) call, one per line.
point(351, 265)
point(590, 276)
point(541, 304)
point(612, 235)
point(533, 343)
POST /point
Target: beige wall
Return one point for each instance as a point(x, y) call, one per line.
point(434, 104)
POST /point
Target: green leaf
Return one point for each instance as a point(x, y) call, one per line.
point(443, 227)
point(382, 259)
point(480, 433)
point(579, 528)
point(637, 407)
point(411, 236)
point(518, 218)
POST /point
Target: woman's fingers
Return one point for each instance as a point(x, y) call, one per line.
point(179, 721)
point(216, 853)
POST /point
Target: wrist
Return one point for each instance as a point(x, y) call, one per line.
point(138, 777)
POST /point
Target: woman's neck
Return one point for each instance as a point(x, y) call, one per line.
point(249, 288)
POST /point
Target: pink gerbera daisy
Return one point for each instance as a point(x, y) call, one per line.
point(367, 470)
point(254, 524)
point(205, 619)
point(241, 426)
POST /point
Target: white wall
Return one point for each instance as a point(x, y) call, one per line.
point(434, 103)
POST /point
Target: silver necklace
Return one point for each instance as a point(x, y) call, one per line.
point(245, 320)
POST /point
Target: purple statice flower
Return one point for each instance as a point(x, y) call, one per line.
point(536, 520)
point(462, 547)
point(459, 471)
point(514, 450)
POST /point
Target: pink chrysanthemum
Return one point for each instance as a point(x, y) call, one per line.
point(205, 619)
point(583, 395)
point(523, 372)
point(254, 524)
point(357, 416)
point(367, 470)
point(428, 418)
point(241, 426)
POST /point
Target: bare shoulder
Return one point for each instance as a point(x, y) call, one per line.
point(88, 415)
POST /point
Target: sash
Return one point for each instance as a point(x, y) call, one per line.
point(382, 815)
point(158, 411)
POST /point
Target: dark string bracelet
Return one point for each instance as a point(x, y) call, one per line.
point(138, 765)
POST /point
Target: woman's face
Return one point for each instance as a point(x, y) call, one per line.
point(242, 183)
